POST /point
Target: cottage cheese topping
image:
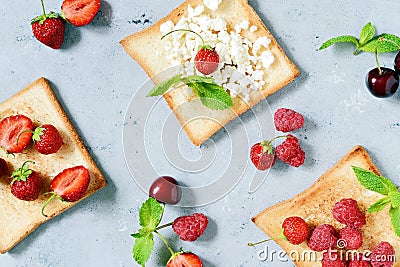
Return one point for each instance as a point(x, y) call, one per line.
point(243, 61)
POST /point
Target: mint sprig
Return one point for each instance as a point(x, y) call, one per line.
point(383, 186)
point(367, 41)
point(211, 95)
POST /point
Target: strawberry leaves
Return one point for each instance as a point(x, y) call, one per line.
point(367, 42)
point(385, 187)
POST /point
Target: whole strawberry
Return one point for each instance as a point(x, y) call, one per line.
point(184, 259)
point(189, 228)
point(47, 139)
point(49, 29)
point(287, 120)
point(346, 211)
point(26, 184)
point(323, 237)
point(383, 255)
point(351, 237)
point(333, 258)
point(290, 152)
point(262, 155)
point(3, 168)
point(296, 230)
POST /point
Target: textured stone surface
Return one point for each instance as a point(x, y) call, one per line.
point(95, 80)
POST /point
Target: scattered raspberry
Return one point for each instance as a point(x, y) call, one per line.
point(290, 152)
point(347, 212)
point(359, 263)
point(189, 228)
point(351, 237)
point(287, 120)
point(333, 259)
point(322, 238)
point(296, 230)
point(383, 255)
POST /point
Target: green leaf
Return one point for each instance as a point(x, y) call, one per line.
point(142, 249)
point(395, 218)
point(150, 214)
point(213, 96)
point(379, 205)
point(197, 79)
point(384, 46)
point(367, 33)
point(37, 133)
point(395, 199)
point(373, 182)
point(163, 87)
point(340, 39)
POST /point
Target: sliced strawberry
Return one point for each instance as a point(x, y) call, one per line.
point(185, 259)
point(80, 12)
point(15, 133)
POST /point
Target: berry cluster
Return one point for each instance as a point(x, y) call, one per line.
point(263, 154)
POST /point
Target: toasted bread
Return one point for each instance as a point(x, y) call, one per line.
point(315, 206)
point(19, 218)
point(199, 122)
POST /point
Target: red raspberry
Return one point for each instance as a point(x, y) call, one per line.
point(296, 230)
point(383, 255)
point(189, 228)
point(322, 238)
point(359, 263)
point(290, 152)
point(351, 238)
point(347, 212)
point(3, 168)
point(287, 120)
point(332, 258)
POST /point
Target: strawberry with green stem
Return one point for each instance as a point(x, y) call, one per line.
point(47, 139)
point(26, 184)
point(263, 154)
point(207, 59)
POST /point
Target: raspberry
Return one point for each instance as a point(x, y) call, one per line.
point(296, 230)
point(351, 237)
point(287, 120)
point(359, 263)
point(323, 238)
point(332, 258)
point(290, 152)
point(347, 212)
point(189, 228)
point(383, 255)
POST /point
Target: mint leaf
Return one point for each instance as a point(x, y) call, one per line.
point(373, 182)
point(367, 33)
point(379, 205)
point(340, 39)
point(395, 199)
point(197, 79)
point(143, 248)
point(384, 46)
point(395, 218)
point(213, 96)
point(150, 214)
point(163, 87)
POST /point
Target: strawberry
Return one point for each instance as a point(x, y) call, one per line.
point(184, 259)
point(49, 29)
point(26, 184)
point(69, 185)
point(262, 155)
point(15, 133)
point(3, 168)
point(296, 230)
point(80, 12)
point(47, 139)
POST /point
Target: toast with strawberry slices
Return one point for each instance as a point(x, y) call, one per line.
point(19, 218)
point(315, 205)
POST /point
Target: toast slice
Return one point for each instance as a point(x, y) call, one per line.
point(199, 122)
point(315, 206)
point(19, 218)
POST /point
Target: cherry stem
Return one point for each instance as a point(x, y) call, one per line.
point(376, 55)
point(164, 226)
point(184, 30)
point(273, 139)
point(263, 241)
point(165, 242)
point(53, 195)
point(44, 10)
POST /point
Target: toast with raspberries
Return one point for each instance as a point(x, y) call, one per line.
point(18, 218)
point(316, 204)
point(200, 122)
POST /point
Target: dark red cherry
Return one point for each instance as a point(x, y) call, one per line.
point(382, 84)
point(166, 190)
point(397, 63)
point(3, 168)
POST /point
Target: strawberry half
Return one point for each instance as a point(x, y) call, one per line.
point(80, 12)
point(26, 184)
point(70, 185)
point(184, 259)
point(15, 133)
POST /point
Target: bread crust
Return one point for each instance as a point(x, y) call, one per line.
point(20, 218)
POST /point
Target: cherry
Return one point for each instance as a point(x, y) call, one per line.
point(397, 63)
point(382, 82)
point(166, 190)
point(3, 168)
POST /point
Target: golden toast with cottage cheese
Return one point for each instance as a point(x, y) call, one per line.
point(19, 218)
point(315, 205)
point(243, 43)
